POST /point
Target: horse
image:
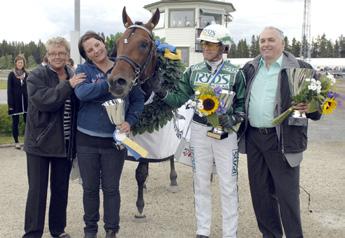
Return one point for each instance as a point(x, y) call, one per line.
point(136, 60)
point(135, 55)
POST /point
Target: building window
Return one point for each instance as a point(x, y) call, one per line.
point(181, 18)
point(161, 22)
point(208, 17)
point(185, 55)
point(197, 43)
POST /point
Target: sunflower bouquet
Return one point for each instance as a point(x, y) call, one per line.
point(317, 92)
point(211, 102)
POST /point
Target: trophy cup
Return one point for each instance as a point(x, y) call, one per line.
point(296, 78)
point(116, 112)
point(226, 99)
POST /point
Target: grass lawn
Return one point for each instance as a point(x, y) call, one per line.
point(3, 84)
point(5, 139)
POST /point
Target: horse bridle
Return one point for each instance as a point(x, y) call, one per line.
point(137, 68)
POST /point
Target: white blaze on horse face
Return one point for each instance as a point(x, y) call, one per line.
point(135, 55)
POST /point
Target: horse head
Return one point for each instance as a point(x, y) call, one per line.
point(136, 55)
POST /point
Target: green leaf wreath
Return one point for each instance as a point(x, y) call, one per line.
point(158, 113)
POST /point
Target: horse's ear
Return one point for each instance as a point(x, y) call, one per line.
point(153, 21)
point(125, 18)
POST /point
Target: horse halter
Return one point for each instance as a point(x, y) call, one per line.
point(137, 68)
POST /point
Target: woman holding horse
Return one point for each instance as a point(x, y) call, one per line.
point(100, 161)
point(213, 72)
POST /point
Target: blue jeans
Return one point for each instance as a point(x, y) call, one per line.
point(101, 164)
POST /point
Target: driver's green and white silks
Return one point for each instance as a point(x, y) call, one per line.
point(201, 75)
point(235, 158)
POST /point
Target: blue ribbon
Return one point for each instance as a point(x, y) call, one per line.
point(130, 150)
point(162, 46)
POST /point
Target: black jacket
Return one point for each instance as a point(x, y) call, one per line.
point(44, 132)
point(17, 95)
point(293, 139)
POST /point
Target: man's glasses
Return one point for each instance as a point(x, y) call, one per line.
point(209, 45)
point(57, 54)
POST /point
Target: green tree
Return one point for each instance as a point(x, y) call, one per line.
point(329, 49)
point(254, 47)
point(110, 41)
point(336, 49)
point(242, 49)
point(315, 49)
point(31, 62)
point(232, 52)
point(342, 46)
point(295, 47)
point(287, 45)
point(6, 62)
point(305, 45)
point(322, 43)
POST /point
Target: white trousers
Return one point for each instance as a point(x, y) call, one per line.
point(225, 154)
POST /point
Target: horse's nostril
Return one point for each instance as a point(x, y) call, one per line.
point(121, 81)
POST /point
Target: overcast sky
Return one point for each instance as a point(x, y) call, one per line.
point(33, 20)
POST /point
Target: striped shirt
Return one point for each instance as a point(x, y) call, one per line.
point(67, 118)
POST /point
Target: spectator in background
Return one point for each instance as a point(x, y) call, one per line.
point(50, 139)
point(45, 60)
point(70, 63)
point(17, 96)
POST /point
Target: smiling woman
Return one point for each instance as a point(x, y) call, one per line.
point(50, 139)
point(57, 54)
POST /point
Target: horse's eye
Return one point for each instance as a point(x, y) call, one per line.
point(143, 45)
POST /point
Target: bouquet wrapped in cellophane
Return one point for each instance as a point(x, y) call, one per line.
point(316, 90)
point(211, 102)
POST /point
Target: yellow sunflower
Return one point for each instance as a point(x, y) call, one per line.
point(210, 104)
point(329, 105)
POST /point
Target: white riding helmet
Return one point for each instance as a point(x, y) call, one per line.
point(216, 33)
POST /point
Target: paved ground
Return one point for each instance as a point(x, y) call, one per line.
point(171, 214)
point(3, 96)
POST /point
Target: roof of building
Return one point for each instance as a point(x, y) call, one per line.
point(227, 5)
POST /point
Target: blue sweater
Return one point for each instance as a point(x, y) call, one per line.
point(93, 119)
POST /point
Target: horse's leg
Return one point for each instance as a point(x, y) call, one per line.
point(141, 174)
point(173, 176)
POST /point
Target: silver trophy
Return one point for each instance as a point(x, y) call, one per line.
point(116, 112)
point(226, 97)
point(296, 79)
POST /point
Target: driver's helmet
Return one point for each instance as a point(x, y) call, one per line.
point(216, 33)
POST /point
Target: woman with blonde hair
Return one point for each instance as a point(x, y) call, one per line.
point(50, 140)
point(17, 96)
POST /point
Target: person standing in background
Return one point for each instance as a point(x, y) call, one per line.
point(44, 60)
point(17, 96)
point(70, 63)
point(50, 139)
